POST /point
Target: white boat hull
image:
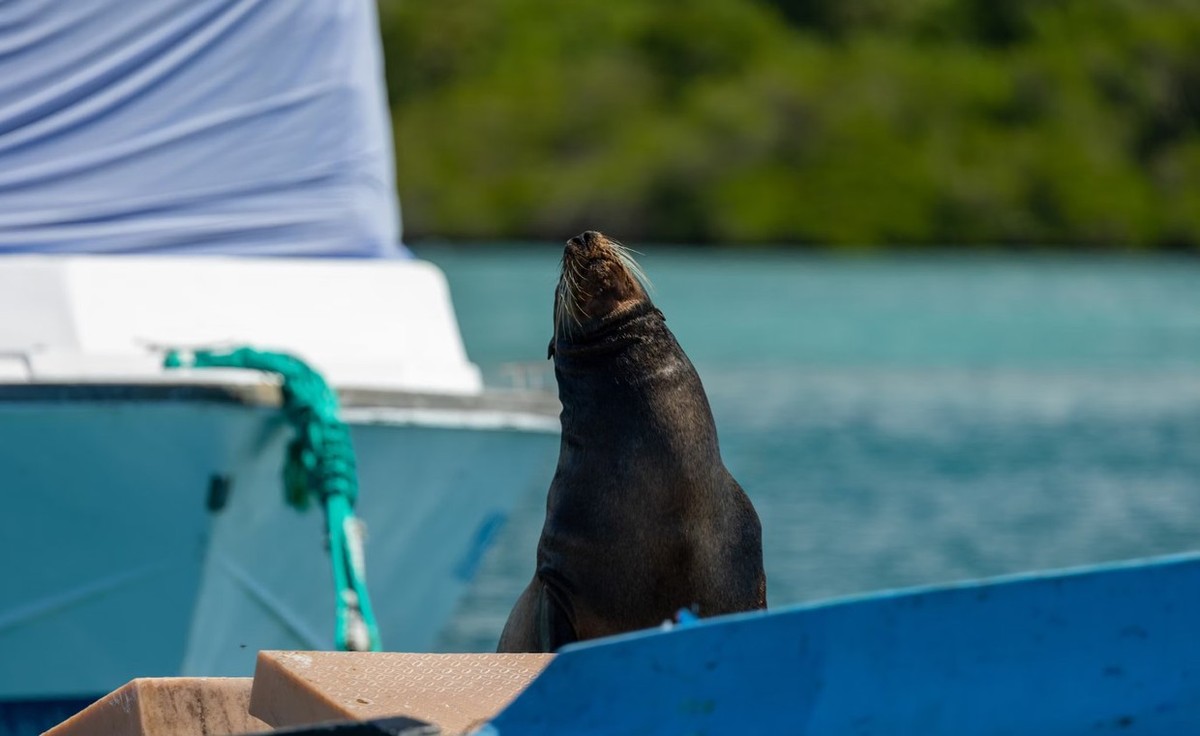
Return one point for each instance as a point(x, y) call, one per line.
point(149, 536)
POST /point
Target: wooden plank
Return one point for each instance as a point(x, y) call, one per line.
point(453, 691)
point(169, 706)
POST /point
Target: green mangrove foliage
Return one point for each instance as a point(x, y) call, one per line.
point(840, 122)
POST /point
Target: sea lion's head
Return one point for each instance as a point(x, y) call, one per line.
point(600, 282)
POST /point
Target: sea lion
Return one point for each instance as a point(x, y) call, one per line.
point(642, 518)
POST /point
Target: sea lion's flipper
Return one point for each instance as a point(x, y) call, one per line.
point(554, 626)
point(550, 349)
point(520, 631)
point(537, 623)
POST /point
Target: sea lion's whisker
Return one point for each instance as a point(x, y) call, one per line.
point(575, 278)
point(561, 306)
point(631, 265)
point(626, 248)
point(571, 295)
point(558, 310)
point(581, 295)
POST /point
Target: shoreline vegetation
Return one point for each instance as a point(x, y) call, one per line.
point(837, 123)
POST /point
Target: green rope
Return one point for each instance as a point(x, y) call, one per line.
point(319, 464)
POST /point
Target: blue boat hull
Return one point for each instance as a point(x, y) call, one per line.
point(1107, 649)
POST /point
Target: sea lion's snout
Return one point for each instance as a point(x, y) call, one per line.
point(599, 281)
point(585, 241)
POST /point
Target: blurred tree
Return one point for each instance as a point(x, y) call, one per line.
point(835, 122)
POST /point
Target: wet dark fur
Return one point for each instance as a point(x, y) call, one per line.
point(642, 518)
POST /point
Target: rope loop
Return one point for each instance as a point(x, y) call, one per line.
point(319, 464)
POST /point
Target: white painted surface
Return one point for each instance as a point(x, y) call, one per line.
point(385, 324)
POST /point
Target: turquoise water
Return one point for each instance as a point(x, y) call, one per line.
point(900, 421)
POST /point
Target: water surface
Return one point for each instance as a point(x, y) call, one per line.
point(899, 420)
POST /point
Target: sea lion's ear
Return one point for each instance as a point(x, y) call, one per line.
point(550, 349)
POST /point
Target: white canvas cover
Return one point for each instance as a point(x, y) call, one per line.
point(239, 127)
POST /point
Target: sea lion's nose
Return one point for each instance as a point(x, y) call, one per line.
point(584, 239)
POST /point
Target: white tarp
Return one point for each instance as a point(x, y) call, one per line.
point(243, 127)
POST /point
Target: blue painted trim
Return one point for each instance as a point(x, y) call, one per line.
point(481, 541)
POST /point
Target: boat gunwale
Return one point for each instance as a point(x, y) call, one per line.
point(266, 393)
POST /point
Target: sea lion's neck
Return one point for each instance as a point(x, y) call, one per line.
point(630, 364)
point(610, 337)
